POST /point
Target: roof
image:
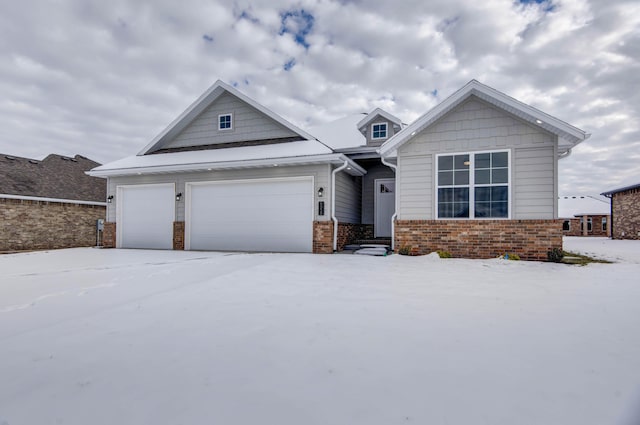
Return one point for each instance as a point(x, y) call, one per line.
point(568, 135)
point(55, 177)
point(203, 102)
point(291, 153)
point(382, 113)
point(579, 205)
point(342, 133)
point(628, 184)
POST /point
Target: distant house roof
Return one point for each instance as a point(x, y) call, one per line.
point(577, 206)
point(568, 135)
point(56, 176)
point(625, 185)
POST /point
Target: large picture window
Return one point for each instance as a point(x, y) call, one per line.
point(473, 185)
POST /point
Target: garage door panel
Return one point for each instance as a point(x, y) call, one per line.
point(252, 216)
point(146, 216)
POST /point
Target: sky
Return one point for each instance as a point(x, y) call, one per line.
point(102, 79)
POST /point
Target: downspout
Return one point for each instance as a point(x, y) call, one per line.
point(333, 203)
point(395, 212)
point(565, 155)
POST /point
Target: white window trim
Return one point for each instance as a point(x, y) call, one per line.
point(231, 121)
point(604, 224)
point(386, 130)
point(472, 185)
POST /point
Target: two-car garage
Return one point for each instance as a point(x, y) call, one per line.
point(241, 215)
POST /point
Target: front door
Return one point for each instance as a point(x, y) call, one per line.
point(385, 206)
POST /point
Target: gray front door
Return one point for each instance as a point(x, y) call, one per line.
point(385, 206)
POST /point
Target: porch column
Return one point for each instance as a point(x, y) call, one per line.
point(585, 226)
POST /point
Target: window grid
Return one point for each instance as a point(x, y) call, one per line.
point(474, 185)
point(379, 131)
point(224, 122)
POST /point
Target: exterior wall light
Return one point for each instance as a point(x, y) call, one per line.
point(109, 199)
point(178, 197)
point(320, 192)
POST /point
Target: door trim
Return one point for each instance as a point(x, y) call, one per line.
point(375, 204)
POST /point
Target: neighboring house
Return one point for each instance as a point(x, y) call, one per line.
point(588, 215)
point(625, 210)
point(476, 176)
point(49, 203)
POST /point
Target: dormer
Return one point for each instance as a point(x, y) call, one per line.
point(378, 126)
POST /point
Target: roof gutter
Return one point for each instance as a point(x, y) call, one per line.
point(394, 167)
point(565, 154)
point(333, 203)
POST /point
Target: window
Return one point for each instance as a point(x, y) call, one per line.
point(473, 185)
point(604, 224)
point(566, 226)
point(589, 224)
point(379, 131)
point(224, 122)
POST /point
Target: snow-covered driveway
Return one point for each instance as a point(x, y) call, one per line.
point(93, 336)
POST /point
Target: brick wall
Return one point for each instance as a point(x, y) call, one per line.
point(530, 239)
point(30, 224)
point(596, 228)
point(109, 235)
point(626, 214)
point(323, 237)
point(349, 233)
point(178, 235)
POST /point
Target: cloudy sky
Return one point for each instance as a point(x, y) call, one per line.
point(102, 78)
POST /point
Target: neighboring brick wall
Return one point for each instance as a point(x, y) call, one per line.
point(178, 235)
point(323, 237)
point(30, 225)
point(626, 214)
point(596, 228)
point(109, 235)
point(530, 239)
point(349, 233)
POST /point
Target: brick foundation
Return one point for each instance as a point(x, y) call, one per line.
point(109, 235)
point(323, 237)
point(349, 233)
point(530, 239)
point(178, 235)
point(626, 214)
point(33, 224)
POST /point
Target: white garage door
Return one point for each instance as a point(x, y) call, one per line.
point(145, 216)
point(252, 215)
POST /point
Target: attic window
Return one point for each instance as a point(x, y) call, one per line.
point(379, 131)
point(225, 122)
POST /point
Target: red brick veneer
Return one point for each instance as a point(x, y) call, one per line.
point(178, 235)
point(109, 235)
point(530, 239)
point(323, 237)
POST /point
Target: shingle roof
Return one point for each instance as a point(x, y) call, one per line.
point(56, 176)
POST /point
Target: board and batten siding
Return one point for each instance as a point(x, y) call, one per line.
point(348, 198)
point(478, 126)
point(320, 174)
point(248, 124)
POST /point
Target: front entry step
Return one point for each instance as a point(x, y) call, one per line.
point(368, 249)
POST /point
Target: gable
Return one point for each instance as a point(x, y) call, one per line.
point(476, 125)
point(367, 130)
point(248, 124)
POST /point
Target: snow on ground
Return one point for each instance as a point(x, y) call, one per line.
point(627, 251)
point(92, 336)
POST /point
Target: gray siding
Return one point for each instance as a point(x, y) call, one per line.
point(378, 171)
point(248, 124)
point(348, 198)
point(378, 142)
point(477, 126)
point(320, 175)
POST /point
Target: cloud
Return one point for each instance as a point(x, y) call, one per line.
point(103, 78)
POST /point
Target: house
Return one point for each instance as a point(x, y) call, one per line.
point(49, 203)
point(625, 210)
point(476, 176)
point(585, 215)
